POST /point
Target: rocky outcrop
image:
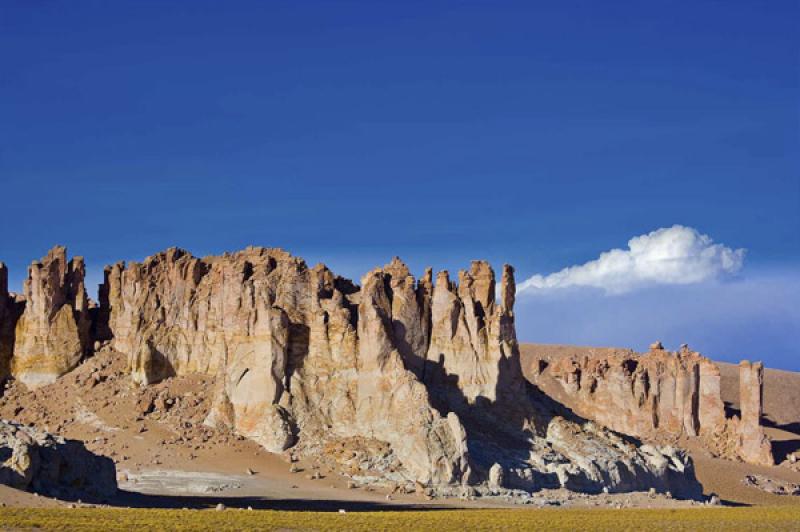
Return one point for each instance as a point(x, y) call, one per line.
point(658, 393)
point(658, 396)
point(304, 358)
point(47, 464)
point(53, 333)
point(10, 310)
point(754, 446)
point(419, 379)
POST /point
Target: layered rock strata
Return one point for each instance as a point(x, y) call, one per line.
point(659, 396)
point(53, 333)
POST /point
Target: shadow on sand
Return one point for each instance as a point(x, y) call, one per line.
point(140, 500)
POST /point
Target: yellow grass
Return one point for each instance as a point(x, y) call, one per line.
point(761, 518)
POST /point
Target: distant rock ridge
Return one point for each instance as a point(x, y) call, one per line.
point(660, 395)
point(303, 357)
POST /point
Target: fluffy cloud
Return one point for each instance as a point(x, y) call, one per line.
point(670, 255)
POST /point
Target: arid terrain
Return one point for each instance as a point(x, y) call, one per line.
point(250, 380)
point(166, 458)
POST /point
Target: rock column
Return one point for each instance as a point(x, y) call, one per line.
point(754, 447)
point(53, 333)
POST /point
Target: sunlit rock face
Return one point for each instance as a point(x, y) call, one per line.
point(53, 333)
point(659, 396)
point(421, 377)
point(429, 367)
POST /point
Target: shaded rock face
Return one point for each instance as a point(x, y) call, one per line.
point(10, 310)
point(659, 396)
point(53, 333)
point(48, 464)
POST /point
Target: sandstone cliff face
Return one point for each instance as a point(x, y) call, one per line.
point(421, 378)
point(288, 350)
point(303, 357)
point(658, 392)
point(53, 333)
point(660, 396)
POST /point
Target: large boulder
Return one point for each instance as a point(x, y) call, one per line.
point(47, 464)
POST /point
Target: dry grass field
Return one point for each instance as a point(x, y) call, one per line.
point(715, 518)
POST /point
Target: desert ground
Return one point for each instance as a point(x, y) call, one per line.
point(166, 457)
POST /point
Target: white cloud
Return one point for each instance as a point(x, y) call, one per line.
point(670, 255)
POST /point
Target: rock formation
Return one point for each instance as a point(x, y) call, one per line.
point(659, 396)
point(657, 393)
point(754, 447)
point(47, 464)
point(427, 372)
point(303, 357)
point(52, 335)
point(10, 309)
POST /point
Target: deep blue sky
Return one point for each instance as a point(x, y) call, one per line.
point(348, 132)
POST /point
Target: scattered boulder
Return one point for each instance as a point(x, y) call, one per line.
point(50, 465)
point(496, 477)
point(771, 485)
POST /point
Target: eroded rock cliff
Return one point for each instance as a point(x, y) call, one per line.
point(420, 379)
point(304, 357)
point(658, 396)
point(53, 333)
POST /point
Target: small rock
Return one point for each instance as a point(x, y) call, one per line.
point(496, 477)
point(250, 471)
point(220, 507)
